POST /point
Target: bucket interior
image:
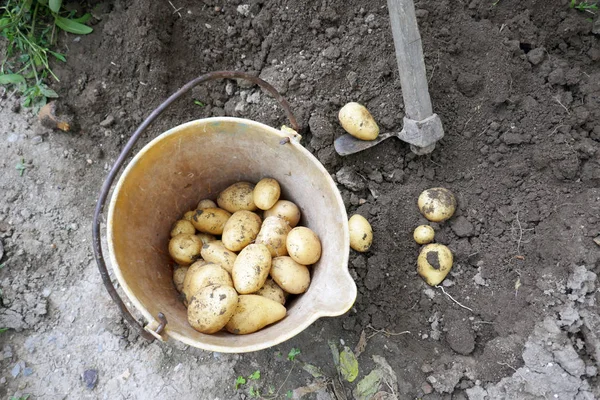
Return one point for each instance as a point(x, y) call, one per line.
point(198, 160)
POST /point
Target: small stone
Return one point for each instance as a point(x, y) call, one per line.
point(27, 371)
point(37, 139)
point(254, 98)
point(536, 55)
point(243, 9)
point(90, 378)
point(426, 368)
point(46, 292)
point(350, 179)
point(370, 18)
point(332, 52)
point(16, 370)
point(108, 121)
point(426, 388)
point(448, 283)
point(557, 77)
point(591, 370)
point(429, 292)
point(479, 279)
point(596, 240)
point(462, 227)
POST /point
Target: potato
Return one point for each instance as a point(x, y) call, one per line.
point(251, 268)
point(182, 226)
point(210, 220)
point(266, 193)
point(303, 245)
point(216, 252)
point(202, 274)
point(236, 197)
point(212, 308)
point(185, 248)
point(189, 215)
point(240, 230)
point(437, 204)
point(434, 263)
point(358, 121)
point(179, 273)
point(206, 237)
point(286, 210)
point(423, 234)
point(272, 291)
point(361, 233)
point(292, 277)
point(253, 313)
point(273, 234)
point(206, 203)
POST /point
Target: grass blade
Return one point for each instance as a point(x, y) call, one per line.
point(71, 26)
point(59, 56)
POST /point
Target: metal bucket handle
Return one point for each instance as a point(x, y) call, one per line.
point(99, 256)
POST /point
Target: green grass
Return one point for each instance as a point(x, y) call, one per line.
point(30, 28)
point(584, 6)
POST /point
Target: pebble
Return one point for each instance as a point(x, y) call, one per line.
point(448, 283)
point(426, 388)
point(350, 179)
point(37, 139)
point(108, 121)
point(370, 18)
point(536, 55)
point(27, 371)
point(429, 292)
point(16, 370)
point(90, 378)
point(332, 52)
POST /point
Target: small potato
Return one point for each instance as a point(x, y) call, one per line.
point(179, 273)
point(206, 237)
point(185, 249)
point(251, 268)
point(206, 203)
point(434, 263)
point(292, 277)
point(423, 234)
point(266, 193)
point(240, 230)
point(361, 233)
point(254, 313)
point(203, 274)
point(182, 227)
point(286, 210)
point(358, 121)
point(189, 215)
point(273, 234)
point(236, 197)
point(212, 308)
point(210, 220)
point(303, 245)
point(437, 204)
point(216, 252)
point(272, 291)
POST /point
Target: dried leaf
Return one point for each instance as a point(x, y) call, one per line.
point(348, 365)
point(313, 370)
point(368, 386)
point(304, 390)
point(361, 345)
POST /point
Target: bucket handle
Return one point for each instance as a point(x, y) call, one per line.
point(104, 191)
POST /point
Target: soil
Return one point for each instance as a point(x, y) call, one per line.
point(517, 86)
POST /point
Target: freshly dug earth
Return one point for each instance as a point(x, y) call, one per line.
point(517, 86)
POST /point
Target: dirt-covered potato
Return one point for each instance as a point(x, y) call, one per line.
point(434, 263)
point(206, 203)
point(216, 252)
point(286, 210)
point(292, 277)
point(202, 274)
point(266, 193)
point(179, 273)
point(182, 227)
point(210, 220)
point(189, 215)
point(358, 121)
point(273, 234)
point(206, 237)
point(236, 197)
point(240, 230)
point(185, 248)
point(303, 245)
point(437, 204)
point(361, 233)
point(253, 313)
point(272, 291)
point(251, 268)
point(423, 234)
point(212, 308)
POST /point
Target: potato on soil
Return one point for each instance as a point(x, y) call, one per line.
point(251, 268)
point(434, 263)
point(303, 245)
point(216, 252)
point(253, 313)
point(292, 277)
point(437, 204)
point(179, 273)
point(271, 290)
point(358, 121)
point(423, 234)
point(212, 307)
point(182, 227)
point(266, 193)
point(273, 234)
point(240, 230)
point(210, 220)
point(361, 233)
point(206, 203)
point(202, 274)
point(286, 210)
point(185, 248)
point(236, 197)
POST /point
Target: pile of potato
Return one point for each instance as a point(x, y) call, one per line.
point(239, 259)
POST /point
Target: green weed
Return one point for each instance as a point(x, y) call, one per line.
point(584, 6)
